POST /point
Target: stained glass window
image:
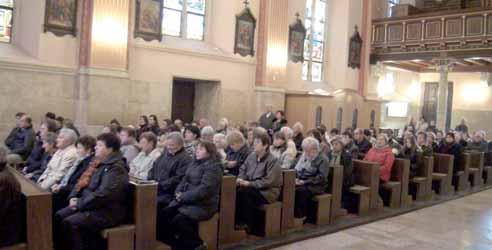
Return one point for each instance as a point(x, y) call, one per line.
point(6, 13)
point(184, 18)
point(315, 39)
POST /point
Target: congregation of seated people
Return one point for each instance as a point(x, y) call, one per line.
point(88, 176)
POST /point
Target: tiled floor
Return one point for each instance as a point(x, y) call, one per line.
point(463, 224)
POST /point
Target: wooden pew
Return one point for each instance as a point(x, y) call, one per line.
point(288, 221)
point(336, 194)
point(423, 179)
point(140, 232)
point(461, 177)
point(487, 169)
point(398, 184)
point(227, 233)
point(38, 203)
point(476, 169)
point(443, 173)
point(366, 175)
point(21, 246)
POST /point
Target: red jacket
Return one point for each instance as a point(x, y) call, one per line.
point(383, 156)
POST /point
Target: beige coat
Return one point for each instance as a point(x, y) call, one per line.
point(58, 167)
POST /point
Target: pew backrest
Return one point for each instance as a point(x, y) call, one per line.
point(38, 207)
point(443, 164)
point(144, 207)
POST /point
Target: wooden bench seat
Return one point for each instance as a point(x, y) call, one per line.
point(227, 212)
point(367, 174)
point(487, 175)
point(364, 194)
point(420, 187)
point(271, 220)
point(38, 207)
point(394, 190)
point(442, 174)
point(209, 232)
point(477, 160)
point(322, 209)
point(120, 238)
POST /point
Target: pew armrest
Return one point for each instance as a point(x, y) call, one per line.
point(391, 184)
point(474, 170)
point(357, 189)
point(322, 197)
point(438, 176)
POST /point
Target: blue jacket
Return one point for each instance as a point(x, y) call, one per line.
point(21, 142)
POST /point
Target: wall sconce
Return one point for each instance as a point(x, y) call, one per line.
point(276, 56)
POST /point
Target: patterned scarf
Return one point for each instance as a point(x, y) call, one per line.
point(87, 175)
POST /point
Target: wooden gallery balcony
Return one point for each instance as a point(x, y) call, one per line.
point(413, 42)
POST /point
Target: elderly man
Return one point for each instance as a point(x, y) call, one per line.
point(462, 127)
point(259, 181)
point(312, 174)
point(478, 143)
point(21, 142)
point(129, 144)
point(361, 141)
point(169, 168)
point(61, 161)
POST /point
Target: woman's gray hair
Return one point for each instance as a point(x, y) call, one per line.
point(50, 138)
point(176, 137)
point(287, 132)
point(70, 134)
point(299, 125)
point(207, 131)
point(310, 142)
point(221, 139)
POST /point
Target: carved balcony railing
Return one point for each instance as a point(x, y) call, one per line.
point(433, 33)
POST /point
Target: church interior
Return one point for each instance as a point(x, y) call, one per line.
point(301, 124)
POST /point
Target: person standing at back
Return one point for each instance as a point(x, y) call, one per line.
point(266, 120)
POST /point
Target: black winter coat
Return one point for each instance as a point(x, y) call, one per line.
point(200, 190)
point(21, 142)
point(35, 158)
point(453, 149)
point(364, 146)
point(239, 157)
point(106, 196)
point(168, 170)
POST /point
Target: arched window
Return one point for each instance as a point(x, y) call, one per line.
point(312, 69)
point(319, 111)
point(339, 118)
point(355, 117)
point(373, 119)
point(6, 14)
point(184, 18)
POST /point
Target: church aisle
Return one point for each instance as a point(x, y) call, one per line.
point(463, 224)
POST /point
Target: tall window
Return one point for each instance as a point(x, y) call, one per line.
point(312, 69)
point(391, 4)
point(6, 11)
point(184, 18)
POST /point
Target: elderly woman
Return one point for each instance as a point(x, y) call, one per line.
point(61, 161)
point(141, 165)
point(223, 126)
point(10, 206)
point(289, 134)
point(49, 148)
point(279, 149)
point(35, 159)
point(382, 154)
point(312, 173)
point(221, 145)
point(324, 146)
point(98, 200)
point(451, 147)
point(259, 181)
point(207, 134)
point(191, 137)
point(298, 129)
point(196, 199)
point(339, 156)
point(237, 152)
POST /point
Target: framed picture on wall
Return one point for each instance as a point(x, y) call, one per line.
point(61, 17)
point(245, 33)
point(148, 23)
point(297, 36)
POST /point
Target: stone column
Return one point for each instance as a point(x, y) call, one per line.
point(443, 67)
